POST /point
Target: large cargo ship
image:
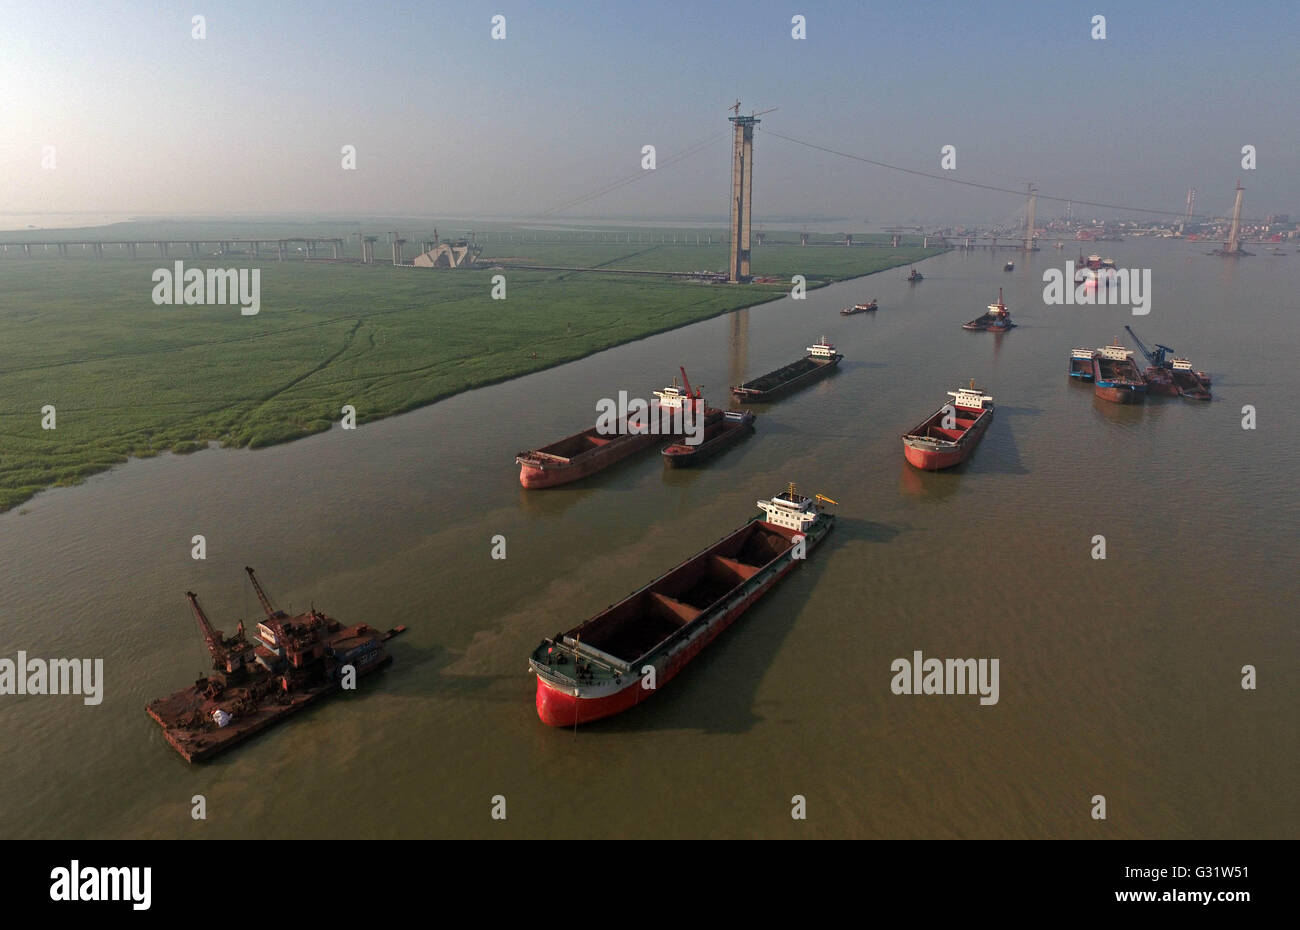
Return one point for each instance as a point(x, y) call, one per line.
point(820, 360)
point(1115, 376)
point(949, 435)
point(292, 663)
point(720, 434)
point(628, 652)
point(996, 320)
point(596, 448)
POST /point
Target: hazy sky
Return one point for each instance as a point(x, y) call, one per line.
point(446, 120)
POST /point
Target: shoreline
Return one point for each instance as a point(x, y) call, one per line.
point(199, 442)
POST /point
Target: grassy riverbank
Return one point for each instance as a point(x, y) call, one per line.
point(128, 378)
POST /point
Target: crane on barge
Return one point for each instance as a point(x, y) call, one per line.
point(227, 653)
point(1157, 358)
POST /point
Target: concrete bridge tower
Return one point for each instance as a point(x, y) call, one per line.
point(742, 190)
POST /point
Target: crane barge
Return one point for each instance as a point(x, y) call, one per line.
point(1171, 374)
point(291, 663)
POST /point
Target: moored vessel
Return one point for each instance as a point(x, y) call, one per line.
point(1081, 363)
point(997, 319)
point(676, 411)
point(949, 435)
point(1170, 374)
point(1115, 376)
point(913, 276)
point(629, 651)
point(720, 434)
point(820, 360)
point(292, 663)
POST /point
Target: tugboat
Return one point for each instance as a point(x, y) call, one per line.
point(913, 276)
point(1081, 363)
point(859, 308)
point(949, 435)
point(292, 663)
point(1009, 266)
point(820, 360)
point(600, 446)
point(1115, 376)
point(627, 653)
point(996, 320)
point(731, 427)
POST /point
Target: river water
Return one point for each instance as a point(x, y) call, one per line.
point(1118, 677)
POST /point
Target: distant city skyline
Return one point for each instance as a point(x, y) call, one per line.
point(445, 120)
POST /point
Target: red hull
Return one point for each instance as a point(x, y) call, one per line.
point(561, 709)
point(935, 460)
point(1119, 395)
point(619, 448)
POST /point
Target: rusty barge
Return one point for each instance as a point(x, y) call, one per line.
point(291, 663)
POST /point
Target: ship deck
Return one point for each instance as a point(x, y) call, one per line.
point(616, 641)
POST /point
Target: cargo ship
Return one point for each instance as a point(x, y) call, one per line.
point(820, 360)
point(722, 433)
point(1115, 376)
point(293, 662)
point(996, 320)
point(1081, 363)
point(913, 276)
point(949, 435)
point(859, 308)
point(598, 447)
point(629, 651)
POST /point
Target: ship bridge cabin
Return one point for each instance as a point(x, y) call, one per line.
point(971, 398)
point(821, 349)
point(1116, 352)
point(790, 509)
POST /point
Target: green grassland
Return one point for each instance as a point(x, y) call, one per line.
point(128, 378)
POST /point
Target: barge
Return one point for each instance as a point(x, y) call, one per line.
point(1081, 363)
point(996, 320)
point(1115, 376)
point(292, 663)
point(628, 652)
point(859, 308)
point(721, 434)
point(820, 360)
point(949, 435)
point(674, 414)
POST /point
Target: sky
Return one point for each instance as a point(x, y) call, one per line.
point(446, 120)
